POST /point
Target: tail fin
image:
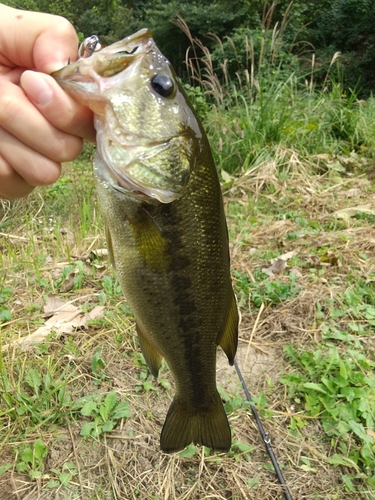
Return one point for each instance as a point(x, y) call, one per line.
point(209, 427)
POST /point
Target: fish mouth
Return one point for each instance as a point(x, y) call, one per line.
point(108, 61)
point(129, 157)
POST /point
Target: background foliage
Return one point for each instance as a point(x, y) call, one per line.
point(328, 26)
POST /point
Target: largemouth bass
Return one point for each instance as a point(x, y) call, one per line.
point(165, 226)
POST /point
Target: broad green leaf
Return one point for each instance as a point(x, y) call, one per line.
point(307, 468)
point(22, 467)
point(330, 384)
point(189, 452)
point(27, 455)
point(333, 356)
point(370, 312)
point(370, 380)
point(97, 363)
point(243, 447)
point(78, 403)
point(226, 177)
point(371, 482)
point(253, 483)
point(97, 431)
point(5, 314)
point(109, 403)
point(52, 484)
point(165, 383)
point(359, 430)
point(40, 450)
point(48, 380)
point(70, 466)
point(343, 427)
point(315, 387)
point(343, 371)
point(347, 412)
point(337, 313)
point(148, 386)
point(87, 428)
point(108, 426)
point(65, 478)
point(33, 379)
point(368, 455)
point(35, 474)
point(337, 460)
point(348, 482)
point(4, 468)
point(89, 408)
point(121, 411)
point(5, 293)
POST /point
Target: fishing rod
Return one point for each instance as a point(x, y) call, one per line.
point(265, 436)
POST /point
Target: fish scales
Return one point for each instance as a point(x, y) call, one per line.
point(165, 227)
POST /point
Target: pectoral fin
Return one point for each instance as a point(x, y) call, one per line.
point(228, 339)
point(151, 244)
point(151, 354)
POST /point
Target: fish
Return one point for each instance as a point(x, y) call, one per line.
point(165, 226)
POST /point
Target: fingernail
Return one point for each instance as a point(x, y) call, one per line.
point(60, 59)
point(36, 88)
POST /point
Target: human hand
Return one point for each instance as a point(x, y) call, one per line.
point(40, 126)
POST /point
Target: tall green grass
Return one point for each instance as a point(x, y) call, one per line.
point(261, 95)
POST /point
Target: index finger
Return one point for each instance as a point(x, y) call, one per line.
point(36, 40)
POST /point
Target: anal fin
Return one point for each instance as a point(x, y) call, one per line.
point(151, 354)
point(228, 339)
point(109, 244)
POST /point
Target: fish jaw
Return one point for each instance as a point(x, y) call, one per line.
point(146, 156)
point(87, 79)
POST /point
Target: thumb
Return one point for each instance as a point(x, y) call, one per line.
point(55, 46)
point(56, 106)
point(36, 40)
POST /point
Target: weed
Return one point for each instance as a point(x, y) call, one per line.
point(35, 396)
point(31, 459)
point(61, 188)
point(5, 311)
point(263, 290)
point(339, 388)
point(105, 412)
point(63, 476)
point(98, 368)
point(146, 382)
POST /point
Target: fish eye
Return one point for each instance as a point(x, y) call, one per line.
point(163, 85)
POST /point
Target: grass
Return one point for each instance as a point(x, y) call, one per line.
point(79, 411)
